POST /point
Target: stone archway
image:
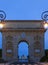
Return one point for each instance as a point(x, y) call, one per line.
point(15, 30)
point(23, 50)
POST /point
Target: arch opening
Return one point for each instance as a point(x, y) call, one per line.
point(23, 51)
point(0, 40)
point(0, 44)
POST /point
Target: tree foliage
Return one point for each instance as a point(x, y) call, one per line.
point(45, 58)
point(0, 53)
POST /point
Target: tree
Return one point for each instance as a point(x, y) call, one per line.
point(0, 53)
point(45, 58)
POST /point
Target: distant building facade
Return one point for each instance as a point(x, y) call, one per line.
point(30, 31)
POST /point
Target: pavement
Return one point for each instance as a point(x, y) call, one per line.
point(24, 64)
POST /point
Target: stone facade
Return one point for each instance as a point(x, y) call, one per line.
point(22, 30)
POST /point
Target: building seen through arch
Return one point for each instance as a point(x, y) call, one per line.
point(25, 34)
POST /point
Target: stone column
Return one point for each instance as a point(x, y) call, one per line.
point(15, 46)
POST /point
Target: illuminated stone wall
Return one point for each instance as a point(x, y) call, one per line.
point(12, 34)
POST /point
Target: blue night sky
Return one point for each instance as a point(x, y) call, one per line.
point(24, 10)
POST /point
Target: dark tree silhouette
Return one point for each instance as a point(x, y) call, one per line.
point(45, 58)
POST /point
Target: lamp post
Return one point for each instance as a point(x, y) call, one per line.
point(44, 17)
point(2, 17)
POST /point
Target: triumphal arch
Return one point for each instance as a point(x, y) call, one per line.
point(15, 31)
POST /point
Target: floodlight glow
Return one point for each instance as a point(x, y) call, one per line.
point(1, 26)
point(45, 25)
